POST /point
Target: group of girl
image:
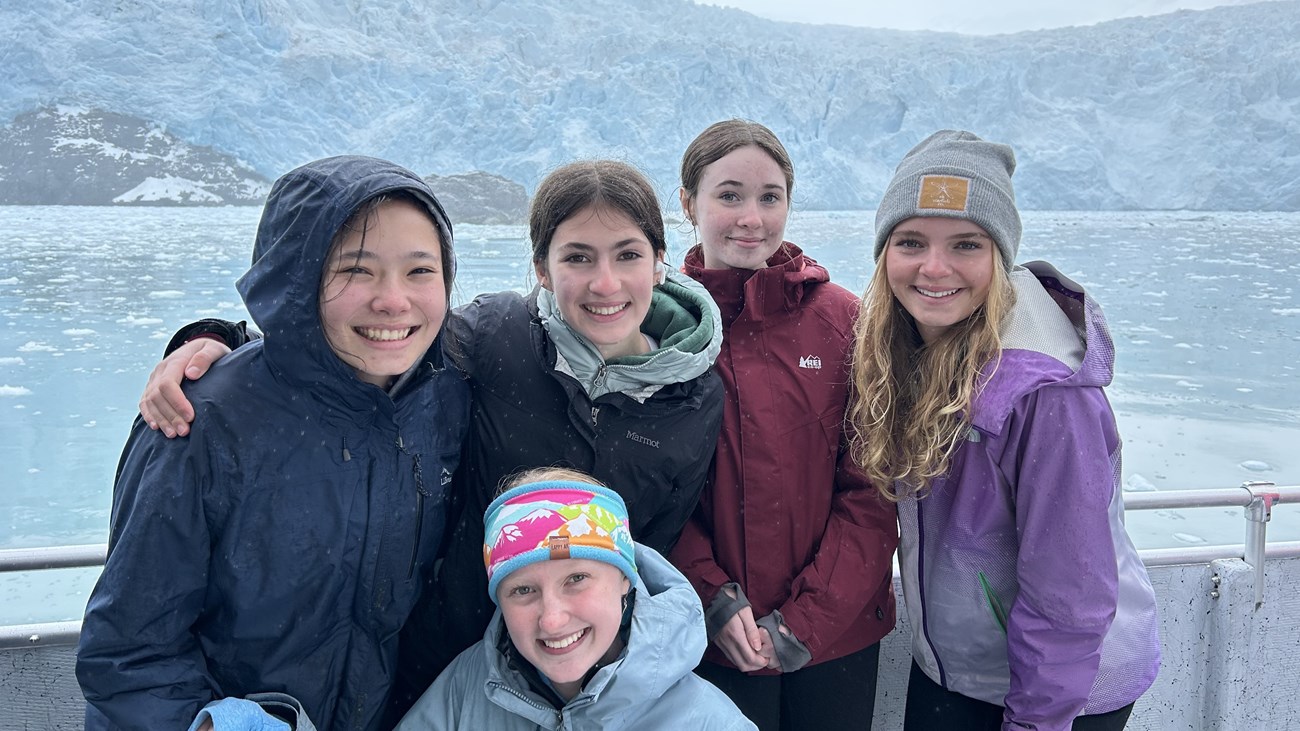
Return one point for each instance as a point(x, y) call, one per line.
point(313, 551)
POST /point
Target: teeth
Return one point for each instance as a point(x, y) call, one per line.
point(565, 642)
point(932, 293)
point(375, 333)
point(611, 310)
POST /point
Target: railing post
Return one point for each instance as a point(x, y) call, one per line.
point(1258, 513)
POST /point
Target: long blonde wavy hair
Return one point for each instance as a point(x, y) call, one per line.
point(912, 400)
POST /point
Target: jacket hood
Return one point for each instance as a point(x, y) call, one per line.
point(682, 318)
point(778, 288)
point(282, 287)
point(1055, 335)
point(665, 643)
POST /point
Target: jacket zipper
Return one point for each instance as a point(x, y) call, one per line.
point(420, 495)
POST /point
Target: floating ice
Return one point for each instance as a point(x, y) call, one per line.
point(79, 331)
point(1255, 465)
point(1138, 483)
point(9, 280)
point(32, 346)
point(166, 294)
point(13, 360)
point(8, 390)
point(1189, 539)
point(139, 321)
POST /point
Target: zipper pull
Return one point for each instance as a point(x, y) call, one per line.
point(594, 411)
point(602, 373)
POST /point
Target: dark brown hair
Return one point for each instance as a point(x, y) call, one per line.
point(723, 138)
point(610, 184)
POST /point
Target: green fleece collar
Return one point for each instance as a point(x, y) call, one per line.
point(682, 318)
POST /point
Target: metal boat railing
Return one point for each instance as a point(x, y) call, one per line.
point(1256, 498)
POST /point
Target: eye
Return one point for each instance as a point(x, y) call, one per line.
point(424, 270)
point(771, 198)
point(577, 578)
point(908, 243)
point(969, 245)
point(630, 255)
point(520, 591)
point(728, 196)
point(575, 259)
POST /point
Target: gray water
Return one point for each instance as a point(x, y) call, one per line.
point(1202, 308)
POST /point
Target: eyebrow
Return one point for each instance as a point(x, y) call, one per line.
point(918, 234)
point(738, 184)
point(584, 247)
point(368, 255)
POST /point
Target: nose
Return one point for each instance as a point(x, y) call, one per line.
point(390, 296)
point(604, 282)
point(935, 264)
point(555, 614)
point(749, 215)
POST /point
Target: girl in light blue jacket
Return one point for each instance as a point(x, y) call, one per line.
point(592, 631)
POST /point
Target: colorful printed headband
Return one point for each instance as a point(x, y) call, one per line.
point(555, 520)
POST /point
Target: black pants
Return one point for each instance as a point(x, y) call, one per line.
point(837, 694)
point(931, 708)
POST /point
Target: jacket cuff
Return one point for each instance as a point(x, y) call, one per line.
point(790, 652)
point(723, 608)
point(233, 334)
point(240, 715)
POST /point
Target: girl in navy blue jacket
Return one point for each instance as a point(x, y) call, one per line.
point(281, 545)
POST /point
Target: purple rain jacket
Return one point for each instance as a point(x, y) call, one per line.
point(1022, 586)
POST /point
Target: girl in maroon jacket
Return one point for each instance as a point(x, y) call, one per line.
point(790, 547)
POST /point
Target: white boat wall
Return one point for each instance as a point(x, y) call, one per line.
point(1229, 630)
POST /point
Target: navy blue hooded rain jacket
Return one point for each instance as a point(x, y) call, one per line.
point(280, 546)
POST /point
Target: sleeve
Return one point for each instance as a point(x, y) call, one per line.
point(1061, 442)
point(853, 564)
point(693, 556)
point(664, 529)
point(238, 714)
point(233, 334)
point(442, 707)
point(458, 335)
point(138, 662)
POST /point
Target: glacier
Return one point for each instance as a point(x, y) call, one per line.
point(1195, 110)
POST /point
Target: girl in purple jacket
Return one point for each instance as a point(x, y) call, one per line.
point(979, 409)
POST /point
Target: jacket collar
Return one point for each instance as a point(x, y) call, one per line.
point(778, 289)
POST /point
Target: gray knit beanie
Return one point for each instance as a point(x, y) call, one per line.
point(958, 175)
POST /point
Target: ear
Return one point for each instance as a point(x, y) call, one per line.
point(661, 270)
point(539, 268)
point(686, 205)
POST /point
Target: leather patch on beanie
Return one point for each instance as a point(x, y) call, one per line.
point(944, 192)
point(559, 546)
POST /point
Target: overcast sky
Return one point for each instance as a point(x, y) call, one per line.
point(963, 16)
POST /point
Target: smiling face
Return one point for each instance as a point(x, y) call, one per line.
point(563, 617)
point(601, 267)
point(383, 297)
point(940, 270)
point(740, 209)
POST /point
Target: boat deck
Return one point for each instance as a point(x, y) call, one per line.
point(1229, 629)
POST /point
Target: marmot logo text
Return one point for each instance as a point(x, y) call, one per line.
point(643, 440)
